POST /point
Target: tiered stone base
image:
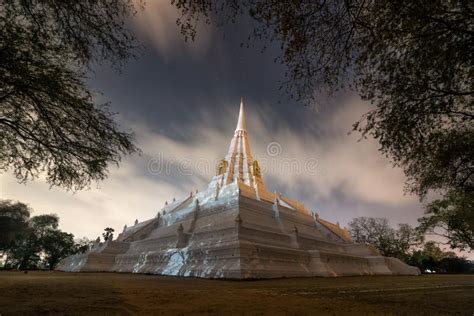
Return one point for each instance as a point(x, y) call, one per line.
point(236, 237)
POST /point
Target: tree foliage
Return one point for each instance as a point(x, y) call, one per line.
point(13, 222)
point(389, 241)
point(407, 244)
point(34, 242)
point(44, 223)
point(57, 245)
point(431, 259)
point(451, 217)
point(49, 121)
point(83, 245)
point(108, 233)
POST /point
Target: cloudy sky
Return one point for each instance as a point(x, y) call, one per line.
point(182, 101)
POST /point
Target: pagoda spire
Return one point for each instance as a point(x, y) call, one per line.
point(241, 121)
point(239, 163)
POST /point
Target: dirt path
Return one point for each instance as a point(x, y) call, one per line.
point(126, 294)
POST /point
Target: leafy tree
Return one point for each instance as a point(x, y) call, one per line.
point(42, 224)
point(56, 246)
point(373, 231)
point(49, 121)
point(433, 250)
point(404, 243)
point(406, 238)
point(25, 252)
point(453, 218)
point(431, 257)
point(411, 59)
point(455, 265)
point(83, 245)
point(26, 241)
point(108, 232)
point(389, 241)
point(13, 222)
point(421, 260)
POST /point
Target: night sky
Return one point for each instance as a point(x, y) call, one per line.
point(182, 101)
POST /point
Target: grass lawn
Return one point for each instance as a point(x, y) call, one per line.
point(41, 292)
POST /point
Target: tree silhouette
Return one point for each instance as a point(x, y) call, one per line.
point(13, 222)
point(108, 232)
point(389, 241)
point(49, 122)
point(452, 218)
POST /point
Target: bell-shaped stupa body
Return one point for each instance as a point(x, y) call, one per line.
point(235, 228)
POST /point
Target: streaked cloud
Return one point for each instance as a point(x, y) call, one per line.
point(351, 178)
point(156, 25)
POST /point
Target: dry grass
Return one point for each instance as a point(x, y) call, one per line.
point(125, 294)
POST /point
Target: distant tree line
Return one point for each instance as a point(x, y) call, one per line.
point(408, 244)
point(34, 242)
